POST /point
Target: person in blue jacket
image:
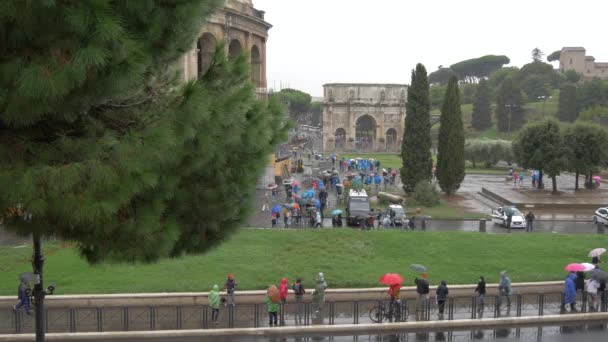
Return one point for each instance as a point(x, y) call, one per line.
point(570, 292)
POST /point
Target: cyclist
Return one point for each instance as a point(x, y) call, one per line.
point(394, 291)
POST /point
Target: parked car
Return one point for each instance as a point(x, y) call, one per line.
point(601, 215)
point(499, 216)
point(396, 213)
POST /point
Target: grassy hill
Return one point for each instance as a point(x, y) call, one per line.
point(349, 258)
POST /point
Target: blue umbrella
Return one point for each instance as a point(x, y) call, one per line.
point(276, 209)
point(336, 212)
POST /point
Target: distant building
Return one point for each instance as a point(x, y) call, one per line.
point(363, 117)
point(242, 28)
point(574, 58)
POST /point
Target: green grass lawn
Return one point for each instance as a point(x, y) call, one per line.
point(349, 258)
point(394, 161)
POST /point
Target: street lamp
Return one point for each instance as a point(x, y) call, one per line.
point(544, 99)
point(510, 106)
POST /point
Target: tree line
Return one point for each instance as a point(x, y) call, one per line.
point(416, 146)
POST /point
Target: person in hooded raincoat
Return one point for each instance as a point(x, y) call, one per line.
point(273, 301)
point(570, 291)
point(504, 289)
point(318, 298)
point(283, 288)
point(214, 303)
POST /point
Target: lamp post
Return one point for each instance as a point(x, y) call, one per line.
point(544, 99)
point(510, 106)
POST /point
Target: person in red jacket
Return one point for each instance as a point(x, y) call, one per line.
point(283, 295)
point(283, 290)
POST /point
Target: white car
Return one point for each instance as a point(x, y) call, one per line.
point(499, 216)
point(601, 215)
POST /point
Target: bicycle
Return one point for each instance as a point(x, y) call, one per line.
point(382, 312)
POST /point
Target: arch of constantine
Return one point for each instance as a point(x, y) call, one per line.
point(242, 28)
point(363, 117)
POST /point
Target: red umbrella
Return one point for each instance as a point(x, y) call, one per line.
point(391, 279)
point(575, 267)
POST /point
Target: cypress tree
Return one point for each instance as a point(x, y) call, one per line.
point(482, 107)
point(450, 157)
point(103, 145)
point(416, 146)
point(567, 109)
point(509, 106)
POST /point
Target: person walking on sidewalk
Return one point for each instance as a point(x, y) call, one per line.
point(530, 221)
point(230, 289)
point(505, 290)
point(442, 295)
point(422, 289)
point(24, 298)
point(592, 288)
point(481, 292)
point(570, 292)
point(272, 303)
point(299, 291)
point(214, 303)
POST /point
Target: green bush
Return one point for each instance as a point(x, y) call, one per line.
point(426, 194)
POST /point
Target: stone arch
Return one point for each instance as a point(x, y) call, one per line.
point(205, 45)
point(340, 138)
point(365, 132)
point(234, 49)
point(391, 139)
point(256, 66)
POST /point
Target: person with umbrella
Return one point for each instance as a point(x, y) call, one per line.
point(592, 289)
point(595, 255)
point(394, 281)
point(422, 289)
point(570, 292)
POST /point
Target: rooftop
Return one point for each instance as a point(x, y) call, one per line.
point(573, 48)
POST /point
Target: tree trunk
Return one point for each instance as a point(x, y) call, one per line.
point(39, 293)
point(554, 181)
point(541, 185)
point(473, 161)
point(576, 181)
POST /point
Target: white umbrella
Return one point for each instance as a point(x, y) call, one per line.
point(597, 252)
point(588, 266)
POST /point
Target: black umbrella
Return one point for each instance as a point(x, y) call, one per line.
point(599, 275)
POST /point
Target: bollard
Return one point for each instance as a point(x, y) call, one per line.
point(482, 225)
point(600, 227)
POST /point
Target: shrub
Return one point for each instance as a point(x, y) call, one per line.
point(426, 193)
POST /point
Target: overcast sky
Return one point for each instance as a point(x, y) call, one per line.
point(314, 42)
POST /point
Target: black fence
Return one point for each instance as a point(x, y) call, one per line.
point(138, 318)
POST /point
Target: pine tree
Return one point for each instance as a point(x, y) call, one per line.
point(567, 109)
point(416, 146)
point(482, 107)
point(450, 157)
point(103, 146)
point(509, 106)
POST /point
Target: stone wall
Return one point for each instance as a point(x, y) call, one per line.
point(241, 28)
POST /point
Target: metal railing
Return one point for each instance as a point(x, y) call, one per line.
point(138, 318)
